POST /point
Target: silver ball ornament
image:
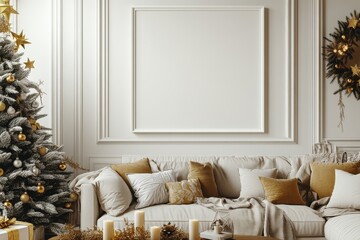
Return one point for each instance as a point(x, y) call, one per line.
point(11, 110)
point(17, 163)
point(36, 171)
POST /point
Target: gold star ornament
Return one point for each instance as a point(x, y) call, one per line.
point(29, 64)
point(6, 9)
point(353, 22)
point(355, 70)
point(20, 39)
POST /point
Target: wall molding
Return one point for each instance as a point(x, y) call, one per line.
point(96, 163)
point(78, 76)
point(204, 8)
point(14, 17)
point(103, 135)
point(57, 72)
point(344, 144)
point(318, 71)
point(103, 68)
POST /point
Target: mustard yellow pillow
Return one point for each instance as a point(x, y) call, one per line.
point(140, 166)
point(322, 178)
point(204, 172)
point(184, 192)
point(282, 191)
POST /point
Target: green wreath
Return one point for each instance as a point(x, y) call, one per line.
point(337, 53)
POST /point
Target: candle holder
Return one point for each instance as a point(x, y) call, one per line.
point(222, 223)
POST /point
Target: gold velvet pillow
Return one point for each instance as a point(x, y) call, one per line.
point(282, 191)
point(184, 192)
point(141, 166)
point(204, 172)
point(322, 178)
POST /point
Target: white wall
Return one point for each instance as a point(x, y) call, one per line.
point(207, 77)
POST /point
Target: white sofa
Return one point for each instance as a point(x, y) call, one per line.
point(307, 222)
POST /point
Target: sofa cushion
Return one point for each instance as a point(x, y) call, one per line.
point(321, 171)
point(150, 188)
point(227, 168)
point(204, 172)
point(306, 221)
point(346, 192)
point(343, 227)
point(282, 191)
point(141, 166)
point(113, 193)
point(184, 192)
point(157, 215)
point(250, 182)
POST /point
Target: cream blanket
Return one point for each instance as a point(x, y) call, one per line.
point(264, 217)
point(322, 209)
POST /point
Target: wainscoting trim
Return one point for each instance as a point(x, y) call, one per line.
point(103, 136)
point(57, 72)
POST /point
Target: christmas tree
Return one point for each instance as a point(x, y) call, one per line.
point(33, 176)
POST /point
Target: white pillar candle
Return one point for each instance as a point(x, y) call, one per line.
point(108, 229)
point(139, 219)
point(194, 229)
point(155, 233)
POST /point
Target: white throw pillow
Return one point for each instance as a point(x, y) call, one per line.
point(113, 193)
point(150, 188)
point(250, 185)
point(346, 193)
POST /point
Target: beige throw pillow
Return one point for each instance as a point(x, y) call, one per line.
point(150, 188)
point(322, 178)
point(204, 172)
point(141, 166)
point(113, 193)
point(346, 192)
point(250, 182)
point(184, 192)
point(282, 191)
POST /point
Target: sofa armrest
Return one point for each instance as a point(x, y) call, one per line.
point(89, 206)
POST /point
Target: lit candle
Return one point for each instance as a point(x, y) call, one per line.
point(139, 219)
point(108, 229)
point(194, 229)
point(155, 233)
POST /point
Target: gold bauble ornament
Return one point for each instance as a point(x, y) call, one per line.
point(73, 196)
point(2, 106)
point(1, 172)
point(40, 188)
point(10, 78)
point(21, 137)
point(67, 205)
point(42, 150)
point(25, 197)
point(8, 204)
point(62, 166)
